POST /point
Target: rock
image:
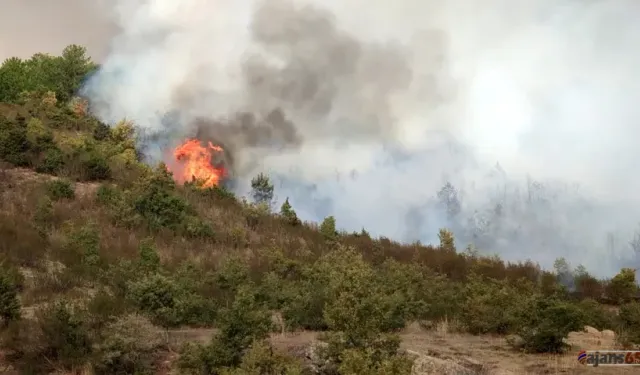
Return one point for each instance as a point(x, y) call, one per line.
point(515, 341)
point(591, 330)
point(471, 363)
point(315, 362)
point(608, 333)
point(425, 365)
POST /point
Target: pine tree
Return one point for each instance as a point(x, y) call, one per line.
point(288, 213)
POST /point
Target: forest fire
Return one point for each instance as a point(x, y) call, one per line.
point(196, 163)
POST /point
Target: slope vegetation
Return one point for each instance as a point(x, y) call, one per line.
point(111, 267)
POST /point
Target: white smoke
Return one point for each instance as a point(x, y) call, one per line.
point(393, 99)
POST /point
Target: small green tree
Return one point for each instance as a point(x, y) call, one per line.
point(262, 189)
point(9, 303)
point(288, 213)
point(65, 336)
point(328, 228)
point(149, 260)
point(157, 202)
point(447, 241)
point(243, 323)
point(60, 189)
point(13, 79)
point(261, 359)
point(156, 296)
point(489, 306)
point(545, 323)
point(358, 313)
point(622, 288)
point(629, 324)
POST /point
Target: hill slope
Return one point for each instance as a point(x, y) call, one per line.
point(101, 252)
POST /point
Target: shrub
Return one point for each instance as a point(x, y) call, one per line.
point(51, 161)
point(328, 228)
point(60, 189)
point(95, 167)
point(546, 322)
point(101, 132)
point(129, 345)
point(169, 303)
point(622, 288)
point(156, 296)
point(40, 138)
point(157, 202)
point(289, 214)
point(56, 339)
point(596, 315)
point(489, 306)
point(81, 251)
point(629, 324)
point(243, 323)
point(372, 361)
point(14, 143)
point(261, 359)
point(9, 303)
point(262, 190)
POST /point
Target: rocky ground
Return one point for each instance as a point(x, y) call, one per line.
point(441, 352)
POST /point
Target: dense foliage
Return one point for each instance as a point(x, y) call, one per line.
point(126, 252)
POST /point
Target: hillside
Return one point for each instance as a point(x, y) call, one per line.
point(110, 265)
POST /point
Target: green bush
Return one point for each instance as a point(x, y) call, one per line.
point(102, 132)
point(596, 315)
point(14, 144)
point(60, 189)
point(629, 324)
point(241, 324)
point(156, 296)
point(51, 161)
point(373, 361)
point(623, 288)
point(289, 214)
point(95, 167)
point(169, 303)
point(328, 228)
point(546, 322)
point(261, 359)
point(57, 339)
point(9, 303)
point(489, 306)
point(157, 202)
point(81, 252)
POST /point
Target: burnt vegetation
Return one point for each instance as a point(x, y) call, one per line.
point(101, 253)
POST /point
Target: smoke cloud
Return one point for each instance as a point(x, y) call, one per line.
point(366, 110)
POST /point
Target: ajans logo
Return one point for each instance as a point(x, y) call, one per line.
point(596, 358)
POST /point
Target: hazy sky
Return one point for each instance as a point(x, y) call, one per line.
point(30, 26)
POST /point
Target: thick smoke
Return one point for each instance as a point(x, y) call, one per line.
point(366, 110)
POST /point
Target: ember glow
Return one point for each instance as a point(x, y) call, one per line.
point(195, 163)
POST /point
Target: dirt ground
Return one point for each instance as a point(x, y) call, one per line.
point(493, 353)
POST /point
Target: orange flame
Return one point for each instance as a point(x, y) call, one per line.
point(196, 163)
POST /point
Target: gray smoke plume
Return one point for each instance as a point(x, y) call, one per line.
point(512, 123)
